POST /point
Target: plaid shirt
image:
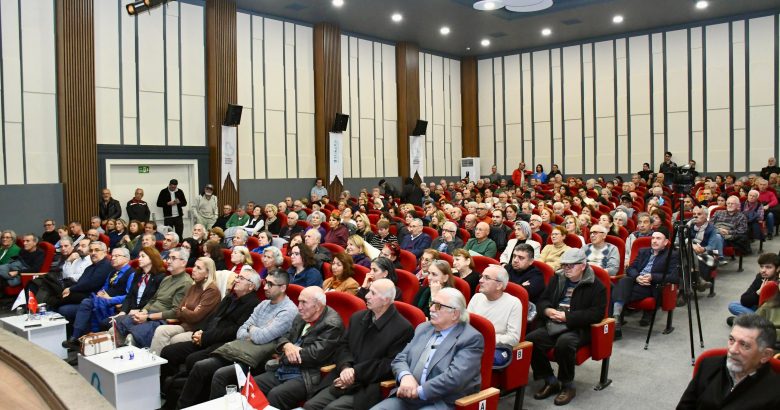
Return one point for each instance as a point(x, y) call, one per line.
point(737, 219)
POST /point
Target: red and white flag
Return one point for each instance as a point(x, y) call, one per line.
point(254, 397)
point(32, 303)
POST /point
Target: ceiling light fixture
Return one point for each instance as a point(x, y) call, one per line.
point(397, 17)
point(701, 5)
point(143, 5)
point(617, 19)
point(338, 3)
point(488, 5)
point(546, 32)
point(444, 30)
point(485, 42)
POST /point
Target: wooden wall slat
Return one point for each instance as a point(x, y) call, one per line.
point(327, 92)
point(468, 98)
point(221, 88)
point(76, 108)
point(407, 72)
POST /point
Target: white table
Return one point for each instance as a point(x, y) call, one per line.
point(125, 383)
point(222, 403)
point(44, 332)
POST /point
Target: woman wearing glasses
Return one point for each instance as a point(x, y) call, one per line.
point(9, 250)
point(439, 277)
point(303, 271)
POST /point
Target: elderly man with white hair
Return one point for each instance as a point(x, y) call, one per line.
point(500, 308)
point(481, 243)
point(448, 241)
point(457, 348)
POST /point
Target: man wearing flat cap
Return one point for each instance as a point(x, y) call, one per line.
point(572, 301)
point(172, 200)
point(205, 209)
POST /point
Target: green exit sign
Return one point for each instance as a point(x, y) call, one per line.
point(143, 169)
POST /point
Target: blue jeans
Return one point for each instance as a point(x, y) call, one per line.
point(716, 244)
point(769, 217)
point(14, 266)
point(736, 309)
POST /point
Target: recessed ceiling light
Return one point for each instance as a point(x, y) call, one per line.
point(444, 30)
point(701, 5)
point(338, 3)
point(487, 5)
point(397, 17)
point(546, 32)
point(485, 42)
point(468, 48)
point(617, 19)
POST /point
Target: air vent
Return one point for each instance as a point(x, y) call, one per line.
point(571, 22)
point(296, 6)
point(498, 34)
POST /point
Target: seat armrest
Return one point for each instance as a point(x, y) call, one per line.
point(173, 321)
point(488, 396)
point(385, 387)
point(602, 335)
point(327, 369)
point(32, 274)
point(516, 373)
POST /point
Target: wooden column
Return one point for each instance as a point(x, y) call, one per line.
point(221, 89)
point(468, 103)
point(327, 95)
point(76, 108)
point(407, 74)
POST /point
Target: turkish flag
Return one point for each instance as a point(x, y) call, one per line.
point(32, 303)
point(253, 395)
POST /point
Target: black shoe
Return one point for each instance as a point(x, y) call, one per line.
point(71, 344)
point(618, 333)
point(730, 320)
point(547, 390)
point(646, 317)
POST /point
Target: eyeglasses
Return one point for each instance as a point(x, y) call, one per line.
point(597, 233)
point(49, 224)
point(439, 305)
point(174, 258)
point(569, 266)
point(118, 256)
point(241, 278)
point(487, 278)
point(449, 230)
point(269, 284)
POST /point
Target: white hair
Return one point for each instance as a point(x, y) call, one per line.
point(457, 301)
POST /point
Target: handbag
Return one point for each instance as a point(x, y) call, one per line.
point(96, 343)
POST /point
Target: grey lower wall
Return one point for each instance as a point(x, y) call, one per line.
point(24, 207)
point(274, 190)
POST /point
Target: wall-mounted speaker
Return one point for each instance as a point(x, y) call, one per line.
point(233, 115)
point(420, 127)
point(340, 122)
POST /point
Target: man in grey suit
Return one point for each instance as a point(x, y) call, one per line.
point(441, 363)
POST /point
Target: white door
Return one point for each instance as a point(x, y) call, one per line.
point(124, 176)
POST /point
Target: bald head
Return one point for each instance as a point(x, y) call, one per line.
point(482, 230)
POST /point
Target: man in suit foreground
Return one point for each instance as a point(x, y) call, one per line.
point(744, 380)
point(441, 363)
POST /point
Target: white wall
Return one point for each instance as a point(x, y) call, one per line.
point(28, 85)
point(440, 106)
point(368, 95)
point(276, 87)
point(704, 93)
point(150, 85)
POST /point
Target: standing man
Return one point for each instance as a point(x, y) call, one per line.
point(375, 337)
point(109, 207)
point(770, 168)
point(494, 176)
point(205, 208)
point(137, 209)
point(744, 378)
point(441, 363)
point(318, 189)
point(518, 175)
point(666, 167)
point(172, 200)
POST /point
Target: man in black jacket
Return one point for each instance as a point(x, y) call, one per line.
point(92, 279)
point(769, 267)
point(363, 360)
point(137, 209)
point(220, 328)
point(30, 259)
point(573, 300)
point(109, 207)
point(172, 200)
point(741, 380)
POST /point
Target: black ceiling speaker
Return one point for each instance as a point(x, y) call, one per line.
point(420, 127)
point(340, 122)
point(233, 115)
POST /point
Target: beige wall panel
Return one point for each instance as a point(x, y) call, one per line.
point(543, 154)
point(366, 84)
point(193, 121)
point(761, 67)
point(14, 153)
point(304, 68)
point(457, 151)
point(678, 136)
point(455, 96)
point(605, 153)
point(151, 49)
point(677, 70)
point(258, 103)
point(697, 88)
point(605, 81)
point(574, 152)
point(12, 64)
point(379, 130)
point(345, 103)
point(423, 69)
point(246, 161)
point(498, 100)
point(528, 106)
point(106, 42)
point(274, 66)
point(388, 82)
point(390, 159)
point(130, 129)
point(486, 145)
point(738, 41)
point(152, 116)
point(590, 166)
point(622, 106)
point(739, 151)
point(354, 123)
point(640, 141)
point(107, 121)
point(717, 63)
point(658, 99)
point(513, 153)
point(512, 78)
point(762, 144)
point(244, 61)
point(485, 94)
point(2, 143)
point(367, 153)
point(276, 139)
point(638, 54)
point(307, 160)
point(440, 151)
point(40, 133)
point(557, 114)
point(38, 48)
point(571, 80)
point(541, 102)
point(587, 98)
point(437, 89)
point(718, 149)
point(259, 155)
point(292, 156)
point(174, 132)
point(193, 49)
point(173, 86)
